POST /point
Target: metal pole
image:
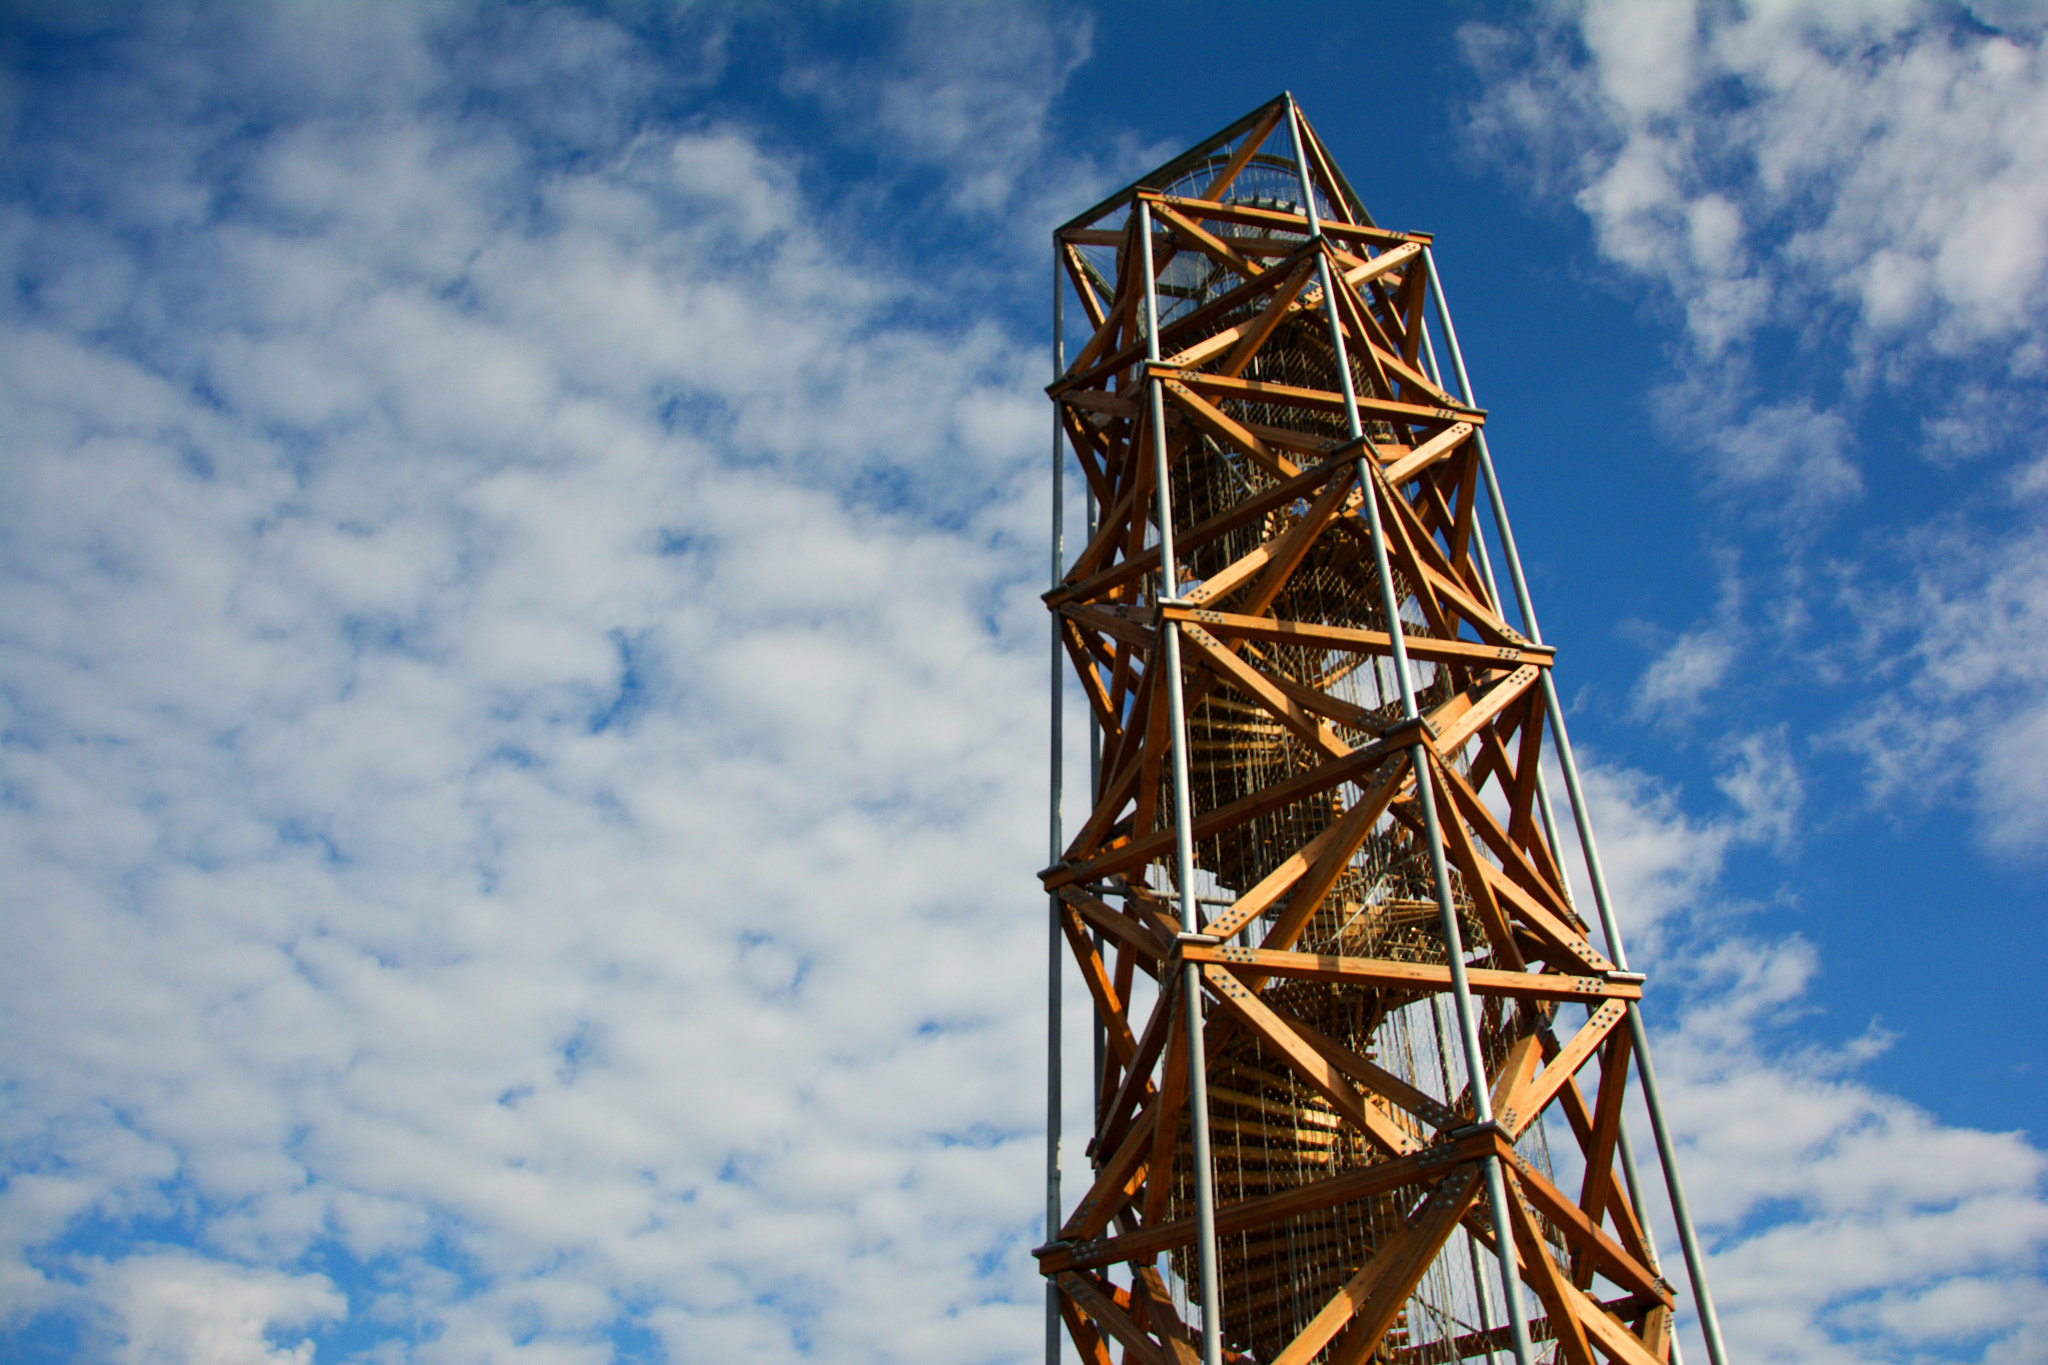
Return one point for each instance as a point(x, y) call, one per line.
point(1550, 834)
point(1543, 805)
point(1053, 975)
point(1482, 1288)
point(1681, 1213)
point(1419, 760)
point(1183, 825)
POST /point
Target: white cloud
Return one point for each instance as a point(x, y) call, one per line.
point(972, 92)
point(523, 687)
point(1885, 155)
point(1679, 679)
point(1865, 186)
point(522, 758)
point(1970, 708)
point(172, 1308)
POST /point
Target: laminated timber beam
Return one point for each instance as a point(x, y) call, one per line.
point(1312, 714)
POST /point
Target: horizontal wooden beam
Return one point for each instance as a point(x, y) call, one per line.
point(1413, 976)
point(1333, 1192)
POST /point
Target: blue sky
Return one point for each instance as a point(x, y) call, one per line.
point(523, 681)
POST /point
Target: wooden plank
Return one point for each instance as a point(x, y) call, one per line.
point(1251, 509)
point(1325, 170)
point(1132, 627)
point(1520, 869)
point(1403, 556)
point(1114, 1183)
point(1598, 1180)
point(1432, 576)
point(1246, 149)
point(1119, 777)
point(1330, 1192)
point(1091, 682)
point(1357, 323)
point(1286, 299)
point(1112, 529)
point(1381, 1082)
point(1612, 1260)
point(1568, 948)
point(1109, 1005)
point(1169, 1106)
point(1608, 1333)
point(1128, 930)
point(1498, 695)
point(1277, 220)
point(1195, 324)
point(1148, 1288)
point(1204, 241)
point(1529, 1099)
point(1438, 447)
point(1088, 1342)
point(1152, 755)
point(1237, 625)
point(1262, 391)
point(1371, 722)
point(1379, 265)
point(1466, 484)
point(1097, 1300)
point(1431, 1226)
point(1627, 1230)
point(1096, 400)
point(1280, 555)
point(1225, 388)
point(1374, 1296)
point(1252, 903)
point(1457, 842)
point(1145, 848)
point(1407, 307)
point(1083, 278)
point(1383, 974)
point(1223, 427)
point(1521, 795)
point(1558, 1296)
point(1136, 1087)
point(1309, 1064)
point(1403, 366)
point(1333, 861)
point(1241, 675)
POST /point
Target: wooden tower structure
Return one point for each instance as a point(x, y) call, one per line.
point(1347, 1006)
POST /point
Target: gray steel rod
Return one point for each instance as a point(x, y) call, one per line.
point(1054, 976)
point(1482, 1289)
point(1183, 826)
point(1681, 1212)
point(1550, 833)
point(1418, 758)
point(1629, 1172)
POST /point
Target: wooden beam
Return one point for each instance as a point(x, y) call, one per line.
point(1331, 1192)
point(1420, 977)
point(1372, 1298)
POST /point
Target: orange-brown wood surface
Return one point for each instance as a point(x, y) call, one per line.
point(1346, 1158)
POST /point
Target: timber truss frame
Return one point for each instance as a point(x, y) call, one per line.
point(1296, 643)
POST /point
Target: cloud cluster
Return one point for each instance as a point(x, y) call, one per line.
point(521, 716)
point(1969, 707)
point(1843, 1224)
point(520, 755)
point(1759, 159)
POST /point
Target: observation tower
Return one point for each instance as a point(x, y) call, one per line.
point(1361, 1060)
